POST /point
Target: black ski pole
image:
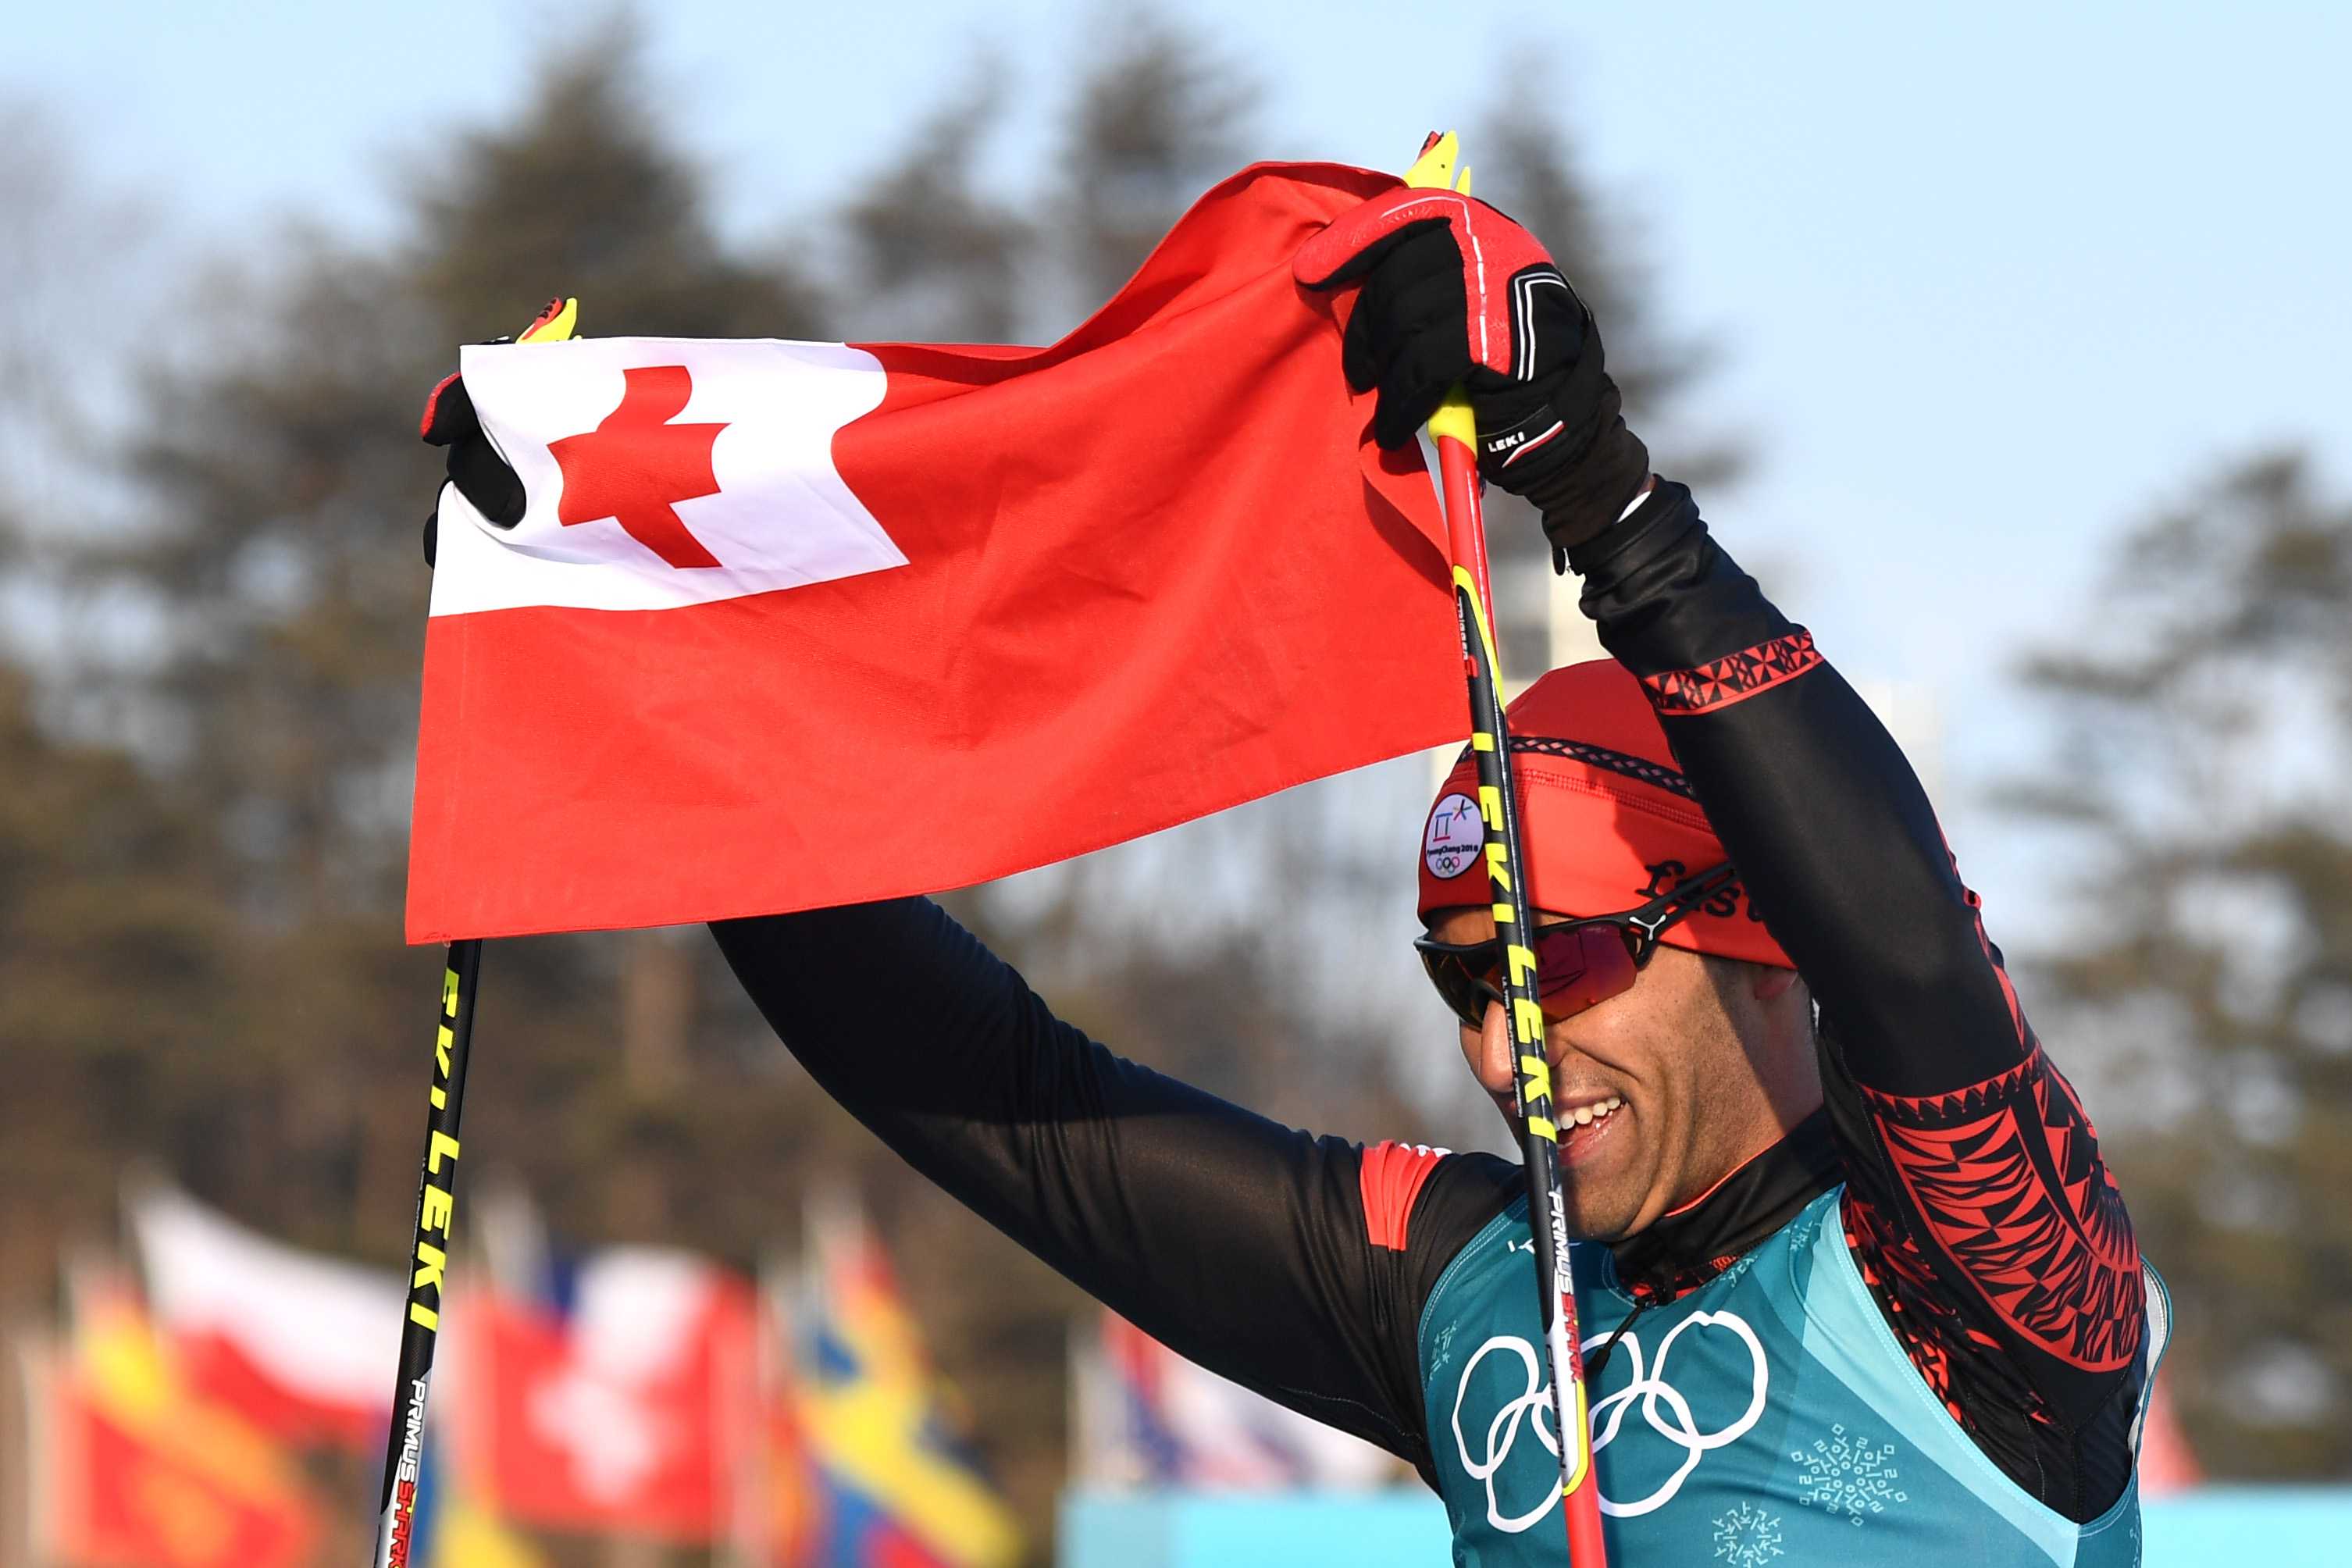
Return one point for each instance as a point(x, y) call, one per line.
point(420, 1329)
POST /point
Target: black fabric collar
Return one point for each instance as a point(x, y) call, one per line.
point(1685, 1250)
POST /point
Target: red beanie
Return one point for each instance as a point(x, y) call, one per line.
point(1606, 819)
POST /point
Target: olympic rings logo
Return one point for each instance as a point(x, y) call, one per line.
point(1663, 1405)
point(1534, 1406)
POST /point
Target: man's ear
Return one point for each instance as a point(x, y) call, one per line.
point(1769, 981)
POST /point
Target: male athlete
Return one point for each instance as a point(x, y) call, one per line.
point(1855, 1280)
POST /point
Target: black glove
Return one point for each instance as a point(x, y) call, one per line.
point(481, 474)
point(1456, 293)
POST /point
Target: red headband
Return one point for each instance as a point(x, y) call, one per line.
point(1605, 818)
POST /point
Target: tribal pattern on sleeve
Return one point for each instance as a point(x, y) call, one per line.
point(2007, 1178)
point(1734, 678)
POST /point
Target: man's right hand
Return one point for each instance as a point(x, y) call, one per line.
point(1452, 292)
point(480, 472)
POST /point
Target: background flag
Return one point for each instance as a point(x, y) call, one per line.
point(898, 1485)
point(630, 1412)
point(787, 624)
point(2167, 1464)
point(301, 1345)
point(137, 1471)
point(1148, 1418)
point(450, 1528)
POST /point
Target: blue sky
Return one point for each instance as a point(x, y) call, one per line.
point(1991, 281)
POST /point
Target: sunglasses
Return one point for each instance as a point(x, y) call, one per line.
point(1579, 964)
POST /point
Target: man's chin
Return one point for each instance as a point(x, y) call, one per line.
point(1603, 1218)
point(1604, 1198)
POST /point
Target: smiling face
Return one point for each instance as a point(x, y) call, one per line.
point(1663, 1091)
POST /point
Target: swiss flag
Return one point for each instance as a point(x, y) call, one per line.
point(789, 624)
point(635, 1411)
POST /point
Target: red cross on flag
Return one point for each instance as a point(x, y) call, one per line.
point(636, 465)
point(790, 624)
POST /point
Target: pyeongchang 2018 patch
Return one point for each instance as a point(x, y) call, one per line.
point(1451, 843)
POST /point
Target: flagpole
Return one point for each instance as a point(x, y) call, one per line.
point(1454, 432)
point(755, 1503)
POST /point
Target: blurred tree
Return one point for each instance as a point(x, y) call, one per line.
point(103, 871)
point(931, 257)
point(1159, 118)
point(81, 261)
point(282, 555)
point(1524, 162)
point(586, 192)
point(2204, 732)
point(103, 875)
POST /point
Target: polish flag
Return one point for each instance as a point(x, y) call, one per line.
point(305, 1347)
point(788, 624)
point(637, 1410)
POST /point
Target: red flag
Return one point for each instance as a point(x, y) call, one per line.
point(136, 1500)
point(787, 624)
point(136, 1472)
point(788, 1494)
point(635, 1411)
point(2167, 1463)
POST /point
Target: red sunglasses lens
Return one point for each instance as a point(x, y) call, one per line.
point(1576, 966)
point(1580, 966)
point(1462, 989)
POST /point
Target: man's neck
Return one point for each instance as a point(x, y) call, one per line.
point(1684, 1249)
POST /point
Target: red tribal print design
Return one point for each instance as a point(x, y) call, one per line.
point(1734, 678)
point(2007, 1177)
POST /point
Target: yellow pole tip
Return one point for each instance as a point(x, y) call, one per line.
point(555, 324)
point(1453, 418)
point(1433, 170)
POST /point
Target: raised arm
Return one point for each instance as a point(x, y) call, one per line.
point(1825, 819)
point(1975, 1195)
point(1271, 1256)
point(1976, 1188)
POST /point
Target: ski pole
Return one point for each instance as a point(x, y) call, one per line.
point(435, 1202)
point(1454, 432)
point(437, 1191)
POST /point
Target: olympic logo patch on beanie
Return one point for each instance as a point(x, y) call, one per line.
point(1450, 845)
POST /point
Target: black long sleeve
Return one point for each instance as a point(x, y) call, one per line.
point(1275, 1258)
point(1977, 1200)
point(1823, 816)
